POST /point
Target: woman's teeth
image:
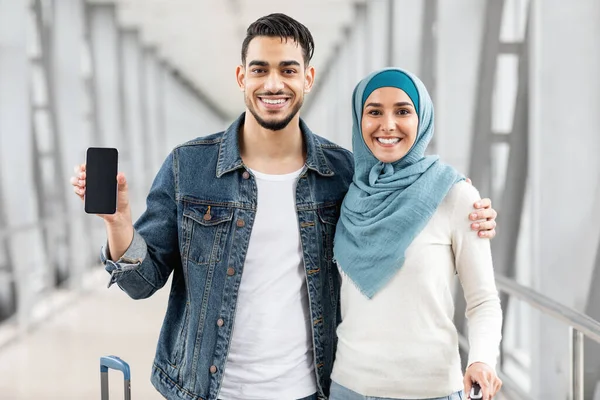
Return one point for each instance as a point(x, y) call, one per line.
point(388, 141)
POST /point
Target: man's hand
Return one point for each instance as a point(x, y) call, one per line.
point(123, 213)
point(484, 217)
point(119, 226)
point(485, 376)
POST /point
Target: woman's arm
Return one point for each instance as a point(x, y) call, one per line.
point(473, 261)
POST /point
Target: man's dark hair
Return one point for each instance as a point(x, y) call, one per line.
point(283, 26)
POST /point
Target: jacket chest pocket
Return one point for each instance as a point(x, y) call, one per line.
point(206, 232)
point(328, 217)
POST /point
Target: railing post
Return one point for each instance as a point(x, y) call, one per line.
point(577, 365)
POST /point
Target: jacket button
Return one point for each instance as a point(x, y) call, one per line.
point(220, 322)
point(213, 369)
point(230, 271)
point(245, 175)
point(240, 223)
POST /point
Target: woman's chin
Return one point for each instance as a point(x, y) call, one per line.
point(389, 156)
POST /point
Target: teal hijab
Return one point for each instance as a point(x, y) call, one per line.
point(388, 204)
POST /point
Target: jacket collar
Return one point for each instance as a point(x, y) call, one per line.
point(229, 152)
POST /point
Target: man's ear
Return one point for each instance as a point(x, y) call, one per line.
point(309, 79)
point(240, 77)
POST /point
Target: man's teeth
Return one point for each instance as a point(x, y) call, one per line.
point(276, 101)
point(388, 141)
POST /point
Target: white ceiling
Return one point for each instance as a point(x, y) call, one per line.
point(203, 39)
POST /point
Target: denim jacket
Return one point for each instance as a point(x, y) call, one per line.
point(197, 225)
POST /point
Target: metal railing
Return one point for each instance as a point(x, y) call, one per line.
point(580, 326)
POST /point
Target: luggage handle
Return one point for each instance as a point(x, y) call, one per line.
point(114, 362)
point(476, 392)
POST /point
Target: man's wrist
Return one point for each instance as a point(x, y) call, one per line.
point(118, 223)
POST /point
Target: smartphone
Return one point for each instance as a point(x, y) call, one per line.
point(102, 165)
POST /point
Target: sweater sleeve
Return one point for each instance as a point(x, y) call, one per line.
point(473, 260)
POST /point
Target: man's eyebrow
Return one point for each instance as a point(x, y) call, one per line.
point(258, 63)
point(289, 63)
point(286, 63)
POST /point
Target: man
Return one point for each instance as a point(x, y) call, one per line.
point(244, 219)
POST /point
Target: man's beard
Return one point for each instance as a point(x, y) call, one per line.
point(274, 125)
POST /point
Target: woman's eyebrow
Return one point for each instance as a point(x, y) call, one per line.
point(399, 104)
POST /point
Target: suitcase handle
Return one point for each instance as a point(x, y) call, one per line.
point(476, 392)
point(114, 362)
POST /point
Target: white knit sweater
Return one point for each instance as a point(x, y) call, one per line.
point(402, 343)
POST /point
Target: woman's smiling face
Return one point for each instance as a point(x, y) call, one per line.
point(389, 123)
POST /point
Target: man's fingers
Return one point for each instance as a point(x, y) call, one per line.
point(122, 182)
point(79, 191)
point(487, 234)
point(485, 203)
point(487, 214)
point(77, 182)
point(484, 226)
point(483, 214)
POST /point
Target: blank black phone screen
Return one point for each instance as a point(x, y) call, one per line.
point(101, 180)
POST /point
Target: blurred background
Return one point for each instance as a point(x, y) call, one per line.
point(516, 86)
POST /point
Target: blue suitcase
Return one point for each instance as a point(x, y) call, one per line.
point(113, 362)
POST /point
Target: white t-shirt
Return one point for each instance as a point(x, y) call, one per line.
point(271, 351)
point(402, 343)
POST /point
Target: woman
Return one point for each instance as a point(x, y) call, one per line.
point(400, 240)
